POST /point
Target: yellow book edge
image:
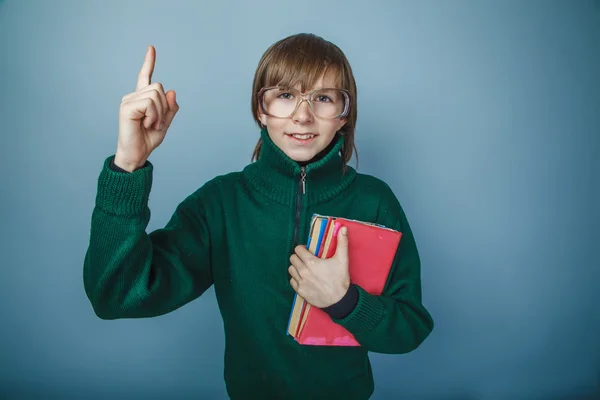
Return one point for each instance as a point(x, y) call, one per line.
point(299, 303)
point(327, 243)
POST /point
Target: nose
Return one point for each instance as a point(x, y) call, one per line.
point(303, 114)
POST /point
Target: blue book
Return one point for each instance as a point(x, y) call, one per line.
point(322, 228)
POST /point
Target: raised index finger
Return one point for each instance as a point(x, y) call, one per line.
point(145, 75)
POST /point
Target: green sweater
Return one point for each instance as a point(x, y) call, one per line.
point(237, 232)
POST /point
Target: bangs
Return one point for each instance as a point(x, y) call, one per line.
point(302, 62)
point(299, 61)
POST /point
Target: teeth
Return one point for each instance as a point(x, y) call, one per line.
point(304, 137)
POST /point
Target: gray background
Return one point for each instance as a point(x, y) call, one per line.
point(484, 117)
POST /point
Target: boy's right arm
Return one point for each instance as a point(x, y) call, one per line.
point(128, 273)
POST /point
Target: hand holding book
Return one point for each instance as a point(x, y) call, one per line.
point(321, 282)
point(324, 269)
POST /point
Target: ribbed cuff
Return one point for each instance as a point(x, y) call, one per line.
point(346, 304)
point(365, 316)
point(124, 193)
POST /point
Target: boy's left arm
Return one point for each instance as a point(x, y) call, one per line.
point(396, 321)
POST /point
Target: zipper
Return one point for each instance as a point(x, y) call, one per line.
point(301, 192)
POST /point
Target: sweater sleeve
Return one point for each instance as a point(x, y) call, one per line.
point(129, 273)
point(396, 321)
point(115, 167)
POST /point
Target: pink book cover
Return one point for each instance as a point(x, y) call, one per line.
point(371, 252)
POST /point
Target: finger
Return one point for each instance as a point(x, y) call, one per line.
point(141, 109)
point(341, 250)
point(294, 284)
point(154, 86)
point(297, 262)
point(163, 98)
point(294, 273)
point(152, 114)
point(173, 107)
point(150, 111)
point(158, 87)
point(154, 95)
point(304, 254)
point(145, 75)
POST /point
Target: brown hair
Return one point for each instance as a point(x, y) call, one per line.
point(302, 59)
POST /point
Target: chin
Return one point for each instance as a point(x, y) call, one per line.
point(300, 157)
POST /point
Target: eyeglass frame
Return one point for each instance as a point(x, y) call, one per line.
point(304, 97)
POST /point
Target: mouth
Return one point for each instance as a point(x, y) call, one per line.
point(302, 137)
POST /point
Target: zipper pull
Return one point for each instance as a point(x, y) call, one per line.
point(303, 176)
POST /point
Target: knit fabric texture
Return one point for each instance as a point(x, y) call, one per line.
point(237, 232)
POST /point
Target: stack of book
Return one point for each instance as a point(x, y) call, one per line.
point(371, 252)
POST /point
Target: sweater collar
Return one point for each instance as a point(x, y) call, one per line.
point(278, 177)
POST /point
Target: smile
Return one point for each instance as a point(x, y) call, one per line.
point(302, 137)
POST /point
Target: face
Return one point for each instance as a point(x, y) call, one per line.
point(282, 130)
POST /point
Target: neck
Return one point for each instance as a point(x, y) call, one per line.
point(277, 176)
point(321, 154)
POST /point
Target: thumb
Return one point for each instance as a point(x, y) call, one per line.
point(341, 250)
point(173, 107)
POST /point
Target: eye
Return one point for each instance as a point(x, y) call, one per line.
point(285, 96)
point(323, 99)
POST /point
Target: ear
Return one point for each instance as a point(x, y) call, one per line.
point(341, 123)
point(263, 118)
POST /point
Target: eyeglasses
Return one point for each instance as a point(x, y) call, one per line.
point(283, 102)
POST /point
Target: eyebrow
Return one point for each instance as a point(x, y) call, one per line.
point(316, 88)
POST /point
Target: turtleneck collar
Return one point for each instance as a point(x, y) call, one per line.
point(277, 176)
